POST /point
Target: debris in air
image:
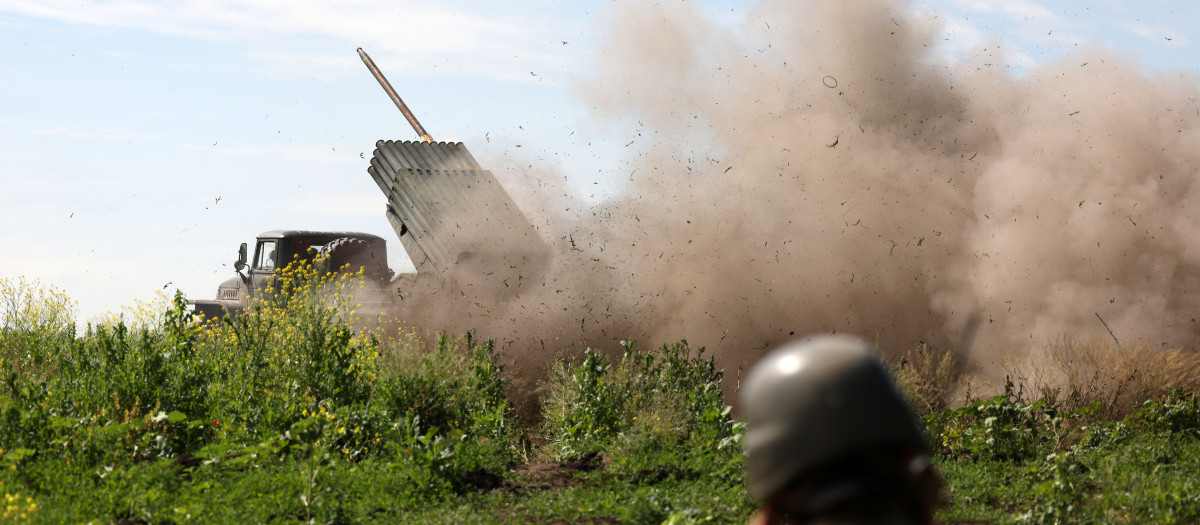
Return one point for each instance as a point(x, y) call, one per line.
point(1110, 332)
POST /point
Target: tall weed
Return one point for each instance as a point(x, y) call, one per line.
point(37, 322)
point(927, 376)
point(1072, 373)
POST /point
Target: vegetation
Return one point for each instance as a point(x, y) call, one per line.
point(291, 414)
point(1112, 437)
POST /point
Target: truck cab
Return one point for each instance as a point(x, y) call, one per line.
point(275, 250)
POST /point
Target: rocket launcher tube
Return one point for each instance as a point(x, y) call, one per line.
point(387, 87)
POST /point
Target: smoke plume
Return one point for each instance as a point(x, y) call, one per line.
point(826, 168)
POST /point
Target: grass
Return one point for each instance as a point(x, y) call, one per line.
point(1084, 431)
point(294, 413)
point(1009, 462)
point(1073, 373)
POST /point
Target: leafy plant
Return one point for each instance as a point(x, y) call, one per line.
point(653, 413)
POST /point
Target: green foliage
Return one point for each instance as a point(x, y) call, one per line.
point(1045, 466)
point(36, 324)
point(1002, 428)
point(1177, 413)
point(289, 414)
point(289, 386)
point(653, 414)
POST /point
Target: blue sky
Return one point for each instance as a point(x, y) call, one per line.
point(141, 141)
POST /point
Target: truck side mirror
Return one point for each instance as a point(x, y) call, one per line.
point(240, 264)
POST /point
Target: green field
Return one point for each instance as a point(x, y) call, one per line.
point(290, 414)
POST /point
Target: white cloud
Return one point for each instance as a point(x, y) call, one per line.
point(82, 132)
point(343, 205)
point(408, 33)
point(1022, 15)
point(1157, 34)
point(285, 153)
point(225, 149)
point(1020, 34)
point(1025, 9)
point(1028, 10)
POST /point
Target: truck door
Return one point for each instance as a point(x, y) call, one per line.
point(265, 257)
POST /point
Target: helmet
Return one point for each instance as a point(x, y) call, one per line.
point(817, 400)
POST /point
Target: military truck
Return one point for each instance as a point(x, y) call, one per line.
point(274, 250)
point(452, 217)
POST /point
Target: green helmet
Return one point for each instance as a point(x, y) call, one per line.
point(815, 401)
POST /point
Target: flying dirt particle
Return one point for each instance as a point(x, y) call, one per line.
point(835, 142)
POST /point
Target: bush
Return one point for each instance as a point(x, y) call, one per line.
point(1004, 428)
point(927, 376)
point(653, 413)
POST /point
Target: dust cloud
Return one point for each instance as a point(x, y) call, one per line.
point(826, 167)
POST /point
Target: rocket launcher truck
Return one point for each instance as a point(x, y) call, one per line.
point(452, 218)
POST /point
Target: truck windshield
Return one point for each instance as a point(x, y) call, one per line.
point(264, 256)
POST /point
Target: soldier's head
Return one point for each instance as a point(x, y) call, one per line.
point(829, 436)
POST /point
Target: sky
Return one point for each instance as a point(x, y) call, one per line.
point(141, 141)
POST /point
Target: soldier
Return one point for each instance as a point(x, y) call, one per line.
point(830, 439)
